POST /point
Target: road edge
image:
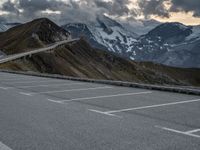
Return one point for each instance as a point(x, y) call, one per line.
point(183, 90)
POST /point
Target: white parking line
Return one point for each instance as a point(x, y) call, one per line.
point(54, 101)
point(24, 93)
point(193, 131)
point(71, 90)
point(31, 81)
point(5, 88)
point(100, 112)
point(14, 79)
point(152, 106)
point(50, 85)
point(4, 147)
point(106, 96)
point(179, 132)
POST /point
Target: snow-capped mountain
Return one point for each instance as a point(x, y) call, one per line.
point(2, 54)
point(140, 27)
point(104, 33)
point(5, 26)
point(172, 44)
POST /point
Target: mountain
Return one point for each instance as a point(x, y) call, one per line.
point(13, 24)
point(140, 27)
point(79, 59)
point(104, 33)
point(34, 34)
point(3, 27)
point(172, 44)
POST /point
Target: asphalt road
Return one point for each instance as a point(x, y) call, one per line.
point(51, 114)
point(20, 55)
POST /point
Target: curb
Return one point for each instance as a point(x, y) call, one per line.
point(182, 90)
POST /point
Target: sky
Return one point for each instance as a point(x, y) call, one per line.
point(64, 11)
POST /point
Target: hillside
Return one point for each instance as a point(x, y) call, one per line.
point(34, 34)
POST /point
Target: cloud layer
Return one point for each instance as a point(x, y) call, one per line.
point(63, 11)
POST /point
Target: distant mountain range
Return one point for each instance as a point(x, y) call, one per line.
point(105, 33)
point(172, 44)
point(79, 59)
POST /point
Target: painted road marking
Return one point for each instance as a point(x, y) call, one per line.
point(5, 88)
point(31, 81)
point(54, 101)
point(47, 85)
point(104, 113)
point(27, 94)
point(152, 106)
point(106, 96)
point(71, 90)
point(13, 80)
point(4, 147)
point(193, 131)
point(179, 132)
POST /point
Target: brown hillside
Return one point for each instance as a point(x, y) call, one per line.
point(31, 35)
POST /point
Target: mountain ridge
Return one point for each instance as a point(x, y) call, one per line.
point(80, 59)
point(160, 45)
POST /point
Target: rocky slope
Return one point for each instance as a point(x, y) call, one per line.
point(105, 33)
point(37, 33)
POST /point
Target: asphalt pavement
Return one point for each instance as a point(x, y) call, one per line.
point(38, 113)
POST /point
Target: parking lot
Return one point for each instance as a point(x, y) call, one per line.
point(46, 113)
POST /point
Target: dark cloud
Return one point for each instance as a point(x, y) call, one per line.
point(186, 6)
point(34, 8)
point(153, 7)
point(87, 10)
point(10, 7)
point(117, 7)
point(71, 10)
point(157, 7)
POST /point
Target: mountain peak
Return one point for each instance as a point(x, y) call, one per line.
point(102, 19)
point(170, 30)
point(36, 33)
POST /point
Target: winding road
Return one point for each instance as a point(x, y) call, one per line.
point(20, 55)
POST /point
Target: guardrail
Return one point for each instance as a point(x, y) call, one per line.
point(174, 89)
point(17, 56)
